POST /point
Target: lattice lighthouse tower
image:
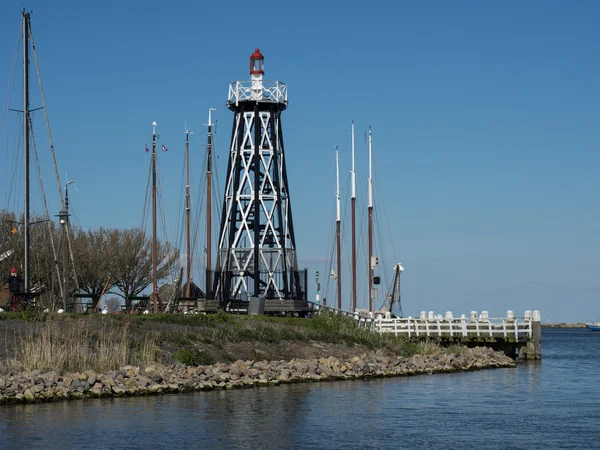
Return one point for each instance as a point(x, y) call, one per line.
point(257, 248)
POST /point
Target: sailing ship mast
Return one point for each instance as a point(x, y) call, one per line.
point(337, 229)
point(154, 255)
point(26, 141)
point(370, 231)
point(29, 144)
point(353, 202)
point(187, 213)
point(209, 146)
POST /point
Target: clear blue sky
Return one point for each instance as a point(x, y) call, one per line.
point(485, 121)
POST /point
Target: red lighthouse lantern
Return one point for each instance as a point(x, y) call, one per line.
point(256, 63)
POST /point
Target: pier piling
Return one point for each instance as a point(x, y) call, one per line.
point(533, 348)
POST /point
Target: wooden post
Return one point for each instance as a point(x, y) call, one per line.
point(533, 348)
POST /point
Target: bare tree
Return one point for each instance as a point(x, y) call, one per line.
point(132, 264)
point(93, 254)
point(10, 244)
point(124, 255)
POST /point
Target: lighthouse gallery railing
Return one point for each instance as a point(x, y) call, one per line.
point(269, 91)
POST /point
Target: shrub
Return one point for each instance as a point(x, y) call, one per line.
point(193, 357)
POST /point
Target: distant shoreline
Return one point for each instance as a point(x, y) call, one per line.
point(563, 325)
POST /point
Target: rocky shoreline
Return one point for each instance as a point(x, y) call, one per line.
point(34, 386)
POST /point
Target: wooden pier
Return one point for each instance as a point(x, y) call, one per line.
point(516, 336)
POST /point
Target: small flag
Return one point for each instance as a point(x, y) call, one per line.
point(147, 149)
point(164, 149)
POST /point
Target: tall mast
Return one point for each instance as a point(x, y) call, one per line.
point(187, 213)
point(370, 213)
point(353, 201)
point(209, 145)
point(154, 256)
point(337, 228)
point(26, 140)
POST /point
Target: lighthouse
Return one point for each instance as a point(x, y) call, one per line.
point(256, 247)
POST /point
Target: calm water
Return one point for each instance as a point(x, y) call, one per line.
point(552, 404)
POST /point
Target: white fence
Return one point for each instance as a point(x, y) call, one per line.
point(473, 327)
point(437, 326)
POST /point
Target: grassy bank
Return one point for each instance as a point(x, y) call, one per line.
point(72, 343)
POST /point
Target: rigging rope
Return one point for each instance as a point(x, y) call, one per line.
point(181, 225)
point(216, 192)
point(37, 165)
point(16, 162)
point(9, 88)
point(37, 67)
point(347, 236)
point(72, 257)
point(166, 231)
point(387, 223)
point(11, 79)
point(52, 151)
point(331, 244)
point(200, 262)
point(69, 231)
point(378, 245)
point(146, 201)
